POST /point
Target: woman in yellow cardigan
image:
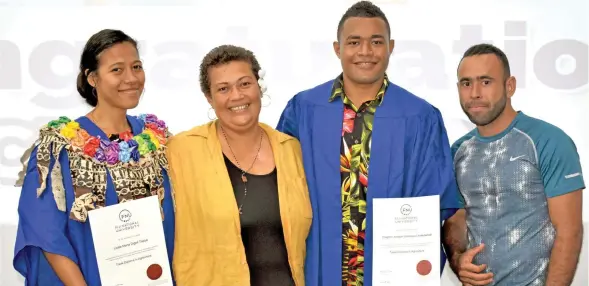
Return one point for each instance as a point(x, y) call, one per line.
point(242, 205)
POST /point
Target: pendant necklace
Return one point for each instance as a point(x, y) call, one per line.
point(243, 173)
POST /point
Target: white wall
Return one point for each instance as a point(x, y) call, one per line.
point(546, 42)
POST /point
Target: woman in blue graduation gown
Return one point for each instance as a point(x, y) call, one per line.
point(101, 159)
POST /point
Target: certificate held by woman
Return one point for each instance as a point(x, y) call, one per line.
point(130, 244)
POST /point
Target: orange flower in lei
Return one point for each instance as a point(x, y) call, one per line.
point(80, 140)
point(126, 136)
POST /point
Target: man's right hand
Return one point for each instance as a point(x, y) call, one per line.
point(469, 273)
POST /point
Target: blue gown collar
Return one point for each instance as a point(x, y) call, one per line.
point(87, 124)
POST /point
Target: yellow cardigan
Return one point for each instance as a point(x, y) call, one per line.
point(208, 246)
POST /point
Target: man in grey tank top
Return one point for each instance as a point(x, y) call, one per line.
point(521, 183)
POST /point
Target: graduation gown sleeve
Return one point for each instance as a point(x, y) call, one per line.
point(169, 223)
point(289, 122)
point(42, 226)
point(435, 167)
point(431, 170)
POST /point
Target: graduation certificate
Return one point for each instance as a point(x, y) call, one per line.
point(130, 244)
point(406, 241)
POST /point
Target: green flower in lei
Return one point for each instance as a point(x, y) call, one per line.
point(151, 146)
point(141, 145)
point(56, 123)
point(64, 119)
point(147, 139)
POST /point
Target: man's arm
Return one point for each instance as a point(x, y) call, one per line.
point(566, 216)
point(455, 238)
point(460, 258)
point(563, 182)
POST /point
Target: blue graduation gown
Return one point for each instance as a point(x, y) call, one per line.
point(410, 157)
point(43, 227)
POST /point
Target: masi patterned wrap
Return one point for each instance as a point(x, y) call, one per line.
point(135, 165)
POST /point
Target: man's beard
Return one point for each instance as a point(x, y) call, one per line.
point(489, 117)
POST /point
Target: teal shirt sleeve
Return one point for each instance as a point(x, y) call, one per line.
point(559, 163)
point(455, 147)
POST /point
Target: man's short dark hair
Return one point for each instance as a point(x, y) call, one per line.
point(363, 9)
point(486, 49)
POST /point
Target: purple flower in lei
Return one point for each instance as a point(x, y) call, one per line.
point(100, 151)
point(111, 152)
point(161, 125)
point(150, 118)
point(134, 149)
point(100, 155)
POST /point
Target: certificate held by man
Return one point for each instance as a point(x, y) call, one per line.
point(407, 241)
point(130, 244)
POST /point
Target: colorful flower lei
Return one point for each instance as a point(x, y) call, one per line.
point(130, 149)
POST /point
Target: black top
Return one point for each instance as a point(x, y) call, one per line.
point(114, 137)
point(261, 228)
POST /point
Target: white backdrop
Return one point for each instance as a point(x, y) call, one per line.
point(40, 42)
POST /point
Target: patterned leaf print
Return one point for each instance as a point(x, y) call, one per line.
point(346, 216)
point(367, 119)
point(362, 209)
point(344, 164)
point(354, 190)
point(356, 150)
point(365, 153)
point(345, 188)
point(354, 161)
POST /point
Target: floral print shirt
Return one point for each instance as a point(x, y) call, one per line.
point(354, 161)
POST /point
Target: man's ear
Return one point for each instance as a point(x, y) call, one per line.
point(391, 46)
point(336, 49)
point(510, 85)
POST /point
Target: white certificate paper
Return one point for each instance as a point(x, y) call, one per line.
point(406, 241)
point(130, 244)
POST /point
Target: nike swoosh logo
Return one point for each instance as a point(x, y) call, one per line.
point(511, 159)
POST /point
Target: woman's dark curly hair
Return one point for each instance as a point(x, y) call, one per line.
point(223, 55)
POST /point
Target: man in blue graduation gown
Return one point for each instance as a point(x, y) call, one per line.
point(358, 122)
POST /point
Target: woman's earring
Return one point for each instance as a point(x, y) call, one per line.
point(211, 116)
point(268, 101)
point(263, 88)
